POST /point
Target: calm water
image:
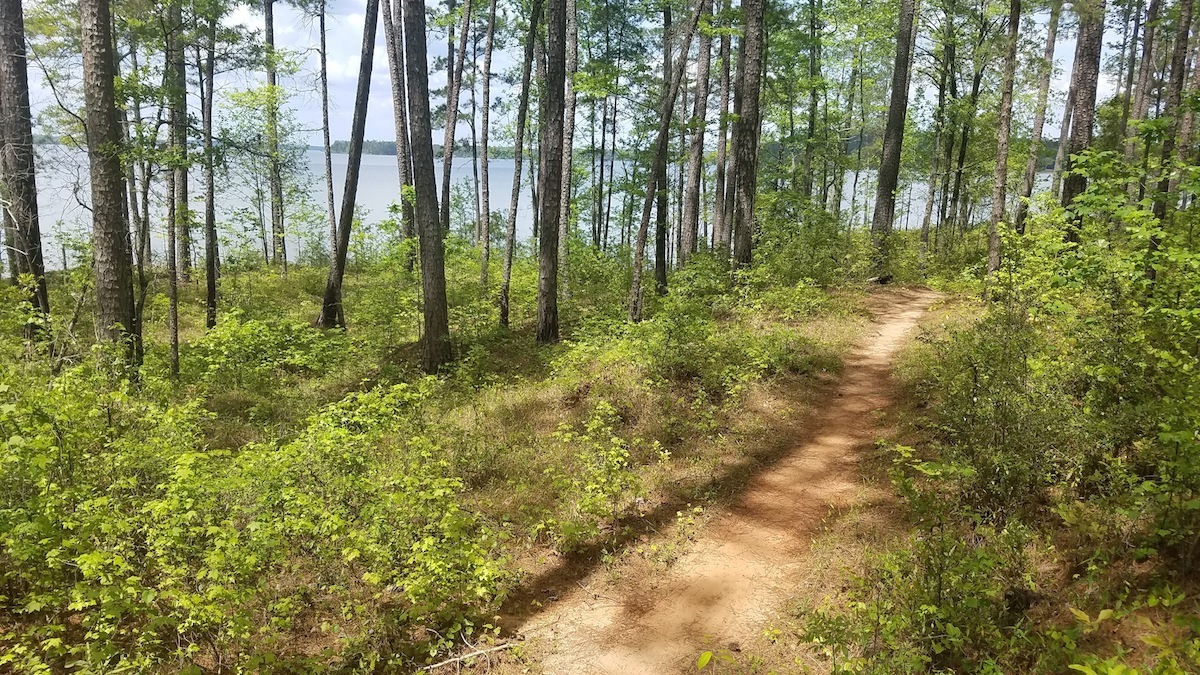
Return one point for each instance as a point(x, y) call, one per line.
point(63, 197)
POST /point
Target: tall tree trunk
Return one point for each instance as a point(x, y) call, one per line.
point(658, 162)
point(550, 159)
point(332, 313)
point(1164, 200)
point(720, 223)
point(661, 204)
point(689, 228)
point(814, 74)
point(1141, 98)
point(598, 218)
point(958, 198)
point(274, 169)
point(17, 173)
point(435, 346)
point(510, 234)
point(475, 131)
point(325, 137)
point(393, 27)
point(564, 217)
point(950, 137)
point(212, 265)
point(746, 130)
point(1130, 62)
point(893, 139)
point(1064, 135)
point(939, 119)
point(112, 256)
point(612, 156)
point(1187, 125)
point(682, 112)
point(1004, 124)
point(177, 215)
point(1046, 69)
point(731, 171)
point(485, 227)
point(1086, 74)
point(844, 137)
point(453, 88)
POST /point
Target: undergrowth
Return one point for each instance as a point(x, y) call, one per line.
point(305, 500)
point(1051, 484)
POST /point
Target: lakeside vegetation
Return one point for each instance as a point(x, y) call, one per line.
point(215, 459)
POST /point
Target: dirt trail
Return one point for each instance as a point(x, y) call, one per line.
point(747, 562)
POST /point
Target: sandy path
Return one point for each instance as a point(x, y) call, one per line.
point(748, 561)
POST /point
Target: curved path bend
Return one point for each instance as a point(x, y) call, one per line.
point(746, 563)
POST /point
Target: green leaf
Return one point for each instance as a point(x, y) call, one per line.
point(703, 660)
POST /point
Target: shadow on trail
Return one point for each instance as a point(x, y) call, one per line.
point(779, 438)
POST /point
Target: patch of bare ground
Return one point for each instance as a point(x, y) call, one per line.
point(684, 581)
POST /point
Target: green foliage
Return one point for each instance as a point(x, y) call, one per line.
point(598, 482)
point(800, 240)
point(249, 353)
point(163, 551)
point(1067, 412)
point(948, 600)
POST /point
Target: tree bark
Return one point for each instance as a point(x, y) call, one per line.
point(18, 179)
point(1046, 69)
point(720, 226)
point(325, 137)
point(1127, 102)
point(332, 313)
point(814, 73)
point(435, 347)
point(274, 170)
point(393, 28)
point(839, 165)
point(746, 131)
point(689, 227)
point(564, 217)
point(1086, 74)
point(510, 234)
point(212, 265)
point(551, 157)
point(1164, 200)
point(1141, 98)
point(1187, 125)
point(177, 215)
point(1064, 134)
point(485, 227)
point(661, 203)
point(1004, 124)
point(893, 139)
point(453, 88)
point(110, 232)
point(658, 162)
point(939, 120)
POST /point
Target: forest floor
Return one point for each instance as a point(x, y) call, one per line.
point(742, 565)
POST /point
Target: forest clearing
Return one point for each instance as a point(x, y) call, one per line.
point(600, 336)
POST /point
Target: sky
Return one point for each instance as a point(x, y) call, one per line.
point(344, 35)
point(297, 33)
point(345, 23)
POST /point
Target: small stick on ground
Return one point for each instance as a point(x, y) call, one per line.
point(472, 655)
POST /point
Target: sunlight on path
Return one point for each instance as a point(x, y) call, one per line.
point(746, 563)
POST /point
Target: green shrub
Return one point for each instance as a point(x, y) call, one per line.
point(166, 552)
point(250, 354)
point(598, 482)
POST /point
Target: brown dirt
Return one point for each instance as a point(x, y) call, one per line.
point(750, 560)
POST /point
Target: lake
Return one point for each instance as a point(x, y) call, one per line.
point(63, 197)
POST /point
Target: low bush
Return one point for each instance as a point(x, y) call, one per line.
point(155, 551)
